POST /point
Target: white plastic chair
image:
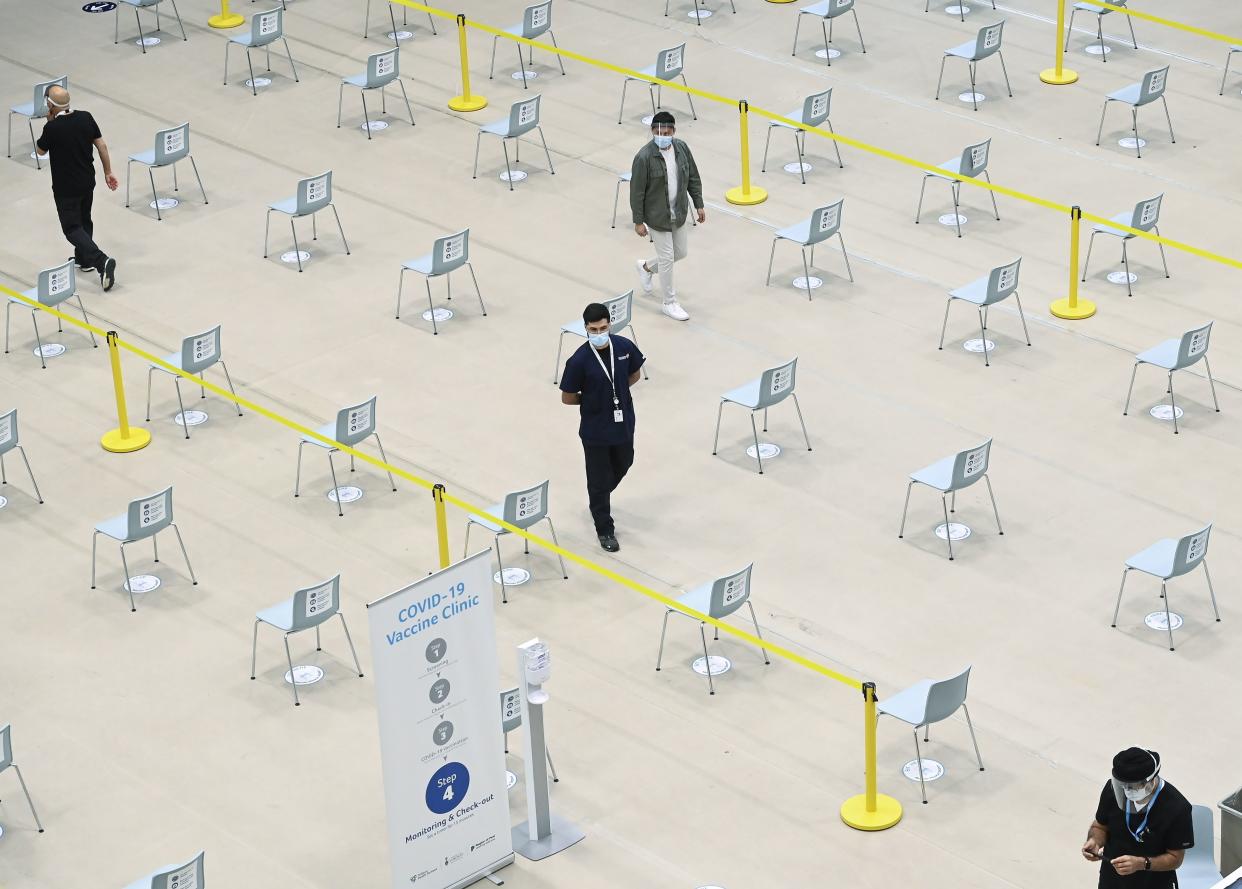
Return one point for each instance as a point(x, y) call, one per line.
point(773, 386)
point(523, 509)
point(1176, 354)
point(145, 517)
point(353, 425)
point(143, 4)
point(670, 65)
point(523, 117)
point(448, 254)
point(972, 163)
point(366, 25)
point(1169, 558)
point(1099, 12)
point(997, 285)
point(950, 475)
point(171, 145)
point(56, 285)
point(265, 29)
point(987, 43)
point(1199, 869)
point(1228, 58)
point(174, 876)
point(1145, 217)
point(823, 223)
point(827, 12)
point(9, 441)
point(814, 112)
point(198, 352)
point(1136, 95)
point(35, 109)
point(536, 21)
point(6, 762)
point(314, 194)
point(382, 69)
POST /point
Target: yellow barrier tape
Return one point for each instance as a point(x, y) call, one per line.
point(1168, 242)
point(1180, 26)
point(779, 651)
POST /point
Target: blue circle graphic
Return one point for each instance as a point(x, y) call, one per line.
point(99, 6)
point(447, 787)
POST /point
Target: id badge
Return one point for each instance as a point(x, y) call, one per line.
point(618, 416)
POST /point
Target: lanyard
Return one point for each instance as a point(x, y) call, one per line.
point(1138, 835)
point(612, 360)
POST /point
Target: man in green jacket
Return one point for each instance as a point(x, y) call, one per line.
point(664, 181)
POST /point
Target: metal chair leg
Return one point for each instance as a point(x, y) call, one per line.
point(29, 801)
point(1022, 317)
point(797, 28)
point(546, 153)
point(970, 725)
point(948, 538)
point(128, 587)
point(918, 758)
point(919, 210)
point(504, 598)
point(184, 425)
point(292, 679)
point(1211, 591)
point(689, 98)
point(1126, 410)
point(1005, 71)
point(771, 257)
point(1173, 403)
point(1168, 619)
point(406, 97)
point(548, 753)
point(716, 440)
point(350, 640)
point(1100, 131)
point(383, 457)
point(1228, 59)
point(30, 472)
point(995, 512)
point(1172, 138)
point(1163, 261)
point(1087, 261)
point(1125, 573)
point(559, 557)
point(336, 488)
point(339, 228)
point(435, 331)
point(254, 646)
point(846, 256)
point(940, 80)
point(904, 510)
point(184, 554)
point(290, 57)
point(798, 409)
point(983, 339)
point(759, 635)
point(995, 209)
point(957, 209)
point(297, 251)
point(663, 631)
point(1125, 263)
point(758, 455)
point(707, 660)
point(1211, 383)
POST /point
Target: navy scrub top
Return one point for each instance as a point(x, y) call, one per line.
point(583, 374)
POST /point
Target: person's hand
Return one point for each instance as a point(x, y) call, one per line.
point(1091, 850)
point(113, 182)
point(641, 229)
point(702, 214)
point(1125, 865)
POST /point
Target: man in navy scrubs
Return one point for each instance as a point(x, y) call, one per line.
point(1142, 826)
point(597, 378)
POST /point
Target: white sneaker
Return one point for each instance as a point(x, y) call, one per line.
point(675, 311)
point(645, 278)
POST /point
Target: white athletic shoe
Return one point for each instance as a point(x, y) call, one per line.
point(645, 278)
point(675, 311)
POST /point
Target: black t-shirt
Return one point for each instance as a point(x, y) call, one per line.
point(1166, 827)
point(70, 140)
point(583, 374)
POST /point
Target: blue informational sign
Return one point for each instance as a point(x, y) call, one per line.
point(447, 787)
point(99, 6)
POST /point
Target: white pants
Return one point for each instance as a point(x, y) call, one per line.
point(670, 247)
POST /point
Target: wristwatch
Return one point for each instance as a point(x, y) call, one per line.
point(1146, 864)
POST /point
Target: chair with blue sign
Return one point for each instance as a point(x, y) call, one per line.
point(143, 4)
point(827, 12)
point(620, 316)
point(353, 425)
point(773, 386)
point(1168, 558)
point(265, 29)
point(1099, 12)
point(1000, 284)
point(822, 224)
point(198, 352)
point(6, 762)
point(814, 111)
point(314, 194)
point(382, 69)
point(523, 509)
point(171, 145)
point(511, 720)
point(10, 441)
point(972, 164)
point(366, 25)
point(1199, 869)
point(987, 43)
point(523, 117)
point(1145, 217)
point(670, 64)
point(536, 21)
point(448, 254)
point(174, 876)
point(926, 702)
point(308, 609)
point(1173, 355)
point(56, 285)
point(950, 475)
point(34, 110)
point(1136, 95)
point(145, 517)
point(717, 599)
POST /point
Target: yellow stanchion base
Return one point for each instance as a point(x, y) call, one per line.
point(462, 103)
point(746, 199)
point(1050, 75)
point(1061, 308)
point(138, 439)
point(887, 812)
point(226, 21)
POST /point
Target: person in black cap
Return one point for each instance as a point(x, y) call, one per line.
point(1142, 826)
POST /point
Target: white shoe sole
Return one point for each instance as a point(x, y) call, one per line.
point(682, 316)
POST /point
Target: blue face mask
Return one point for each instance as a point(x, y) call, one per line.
point(662, 142)
point(598, 340)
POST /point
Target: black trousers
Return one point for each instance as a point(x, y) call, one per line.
point(606, 465)
point(75, 221)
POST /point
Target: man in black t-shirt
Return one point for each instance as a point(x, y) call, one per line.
point(1142, 826)
point(71, 136)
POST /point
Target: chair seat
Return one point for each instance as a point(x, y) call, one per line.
point(30, 294)
point(746, 396)
point(421, 265)
point(246, 40)
point(963, 51)
point(1123, 218)
point(1164, 355)
point(1091, 7)
point(796, 114)
point(976, 292)
point(939, 475)
point(819, 9)
point(953, 167)
point(499, 128)
point(799, 232)
point(144, 157)
point(494, 509)
point(577, 328)
point(116, 527)
point(515, 30)
point(1128, 94)
point(174, 359)
point(27, 109)
point(327, 430)
point(909, 705)
point(648, 72)
point(1156, 560)
point(358, 80)
point(625, 177)
point(279, 616)
point(288, 205)
point(699, 598)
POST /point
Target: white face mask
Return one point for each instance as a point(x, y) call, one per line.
point(1136, 794)
point(599, 340)
point(662, 142)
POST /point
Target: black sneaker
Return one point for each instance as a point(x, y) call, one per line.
point(107, 275)
point(609, 543)
point(82, 268)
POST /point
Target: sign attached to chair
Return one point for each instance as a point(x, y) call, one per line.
point(433, 644)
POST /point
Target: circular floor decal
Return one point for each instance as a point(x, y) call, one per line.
point(958, 10)
point(142, 583)
point(647, 118)
point(99, 6)
point(767, 450)
point(954, 219)
point(978, 345)
point(1121, 278)
point(513, 576)
point(953, 531)
point(345, 494)
point(719, 665)
point(51, 350)
point(800, 282)
point(829, 54)
point(191, 418)
point(530, 75)
point(374, 126)
point(441, 314)
point(1166, 412)
point(1157, 621)
point(293, 256)
point(400, 35)
point(971, 98)
point(699, 13)
point(798, 168)
point(4, 501)
point(1096, 50)
point(147, 41)
point(1129, 142)
point(515, 176)
point(304, 674)
point(164, 203)
point(259, 82)
point(510, 780)
point(931, 770)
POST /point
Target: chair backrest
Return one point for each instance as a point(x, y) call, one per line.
point(182, 876)
point(1152, 87)
point(6, 746)
point(777, 383)
point(524, 116)
point(266, 27)
point(620, 309)
point(670, 62)
point(945, 696)
point(1191, 550)
point(524, 508)
point(1147, 213)
point(1199, 870)
point(172, 145)
point(314, 193)
point(40, 90)
point(729, 593)
point(1194, 345)
point(356, 422)
point(200, 351)
point(57, 284)
point(313, 605)
point(975, 158)
point(8, 431)
point(383, 68)
point(147, 516)
point(825, 222)
point(989, 40)
point(510, 710)
point(1002, 281)
point(971, 465)
point(450, 252)
point(838, 7)
point(537, 19)
point(816, 107)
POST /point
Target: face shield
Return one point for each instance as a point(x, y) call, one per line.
point(1135, 793)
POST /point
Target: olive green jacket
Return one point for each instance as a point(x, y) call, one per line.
point(649, 187)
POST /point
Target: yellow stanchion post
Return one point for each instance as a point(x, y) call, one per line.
point(870, 810)
point(226, 19)
point(1059, 75)
point(437, 494)
point(744, 194)
point(126, 438)
point(466, 101)
point(1071, 307)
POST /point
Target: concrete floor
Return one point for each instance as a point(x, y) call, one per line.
point(141, 736)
